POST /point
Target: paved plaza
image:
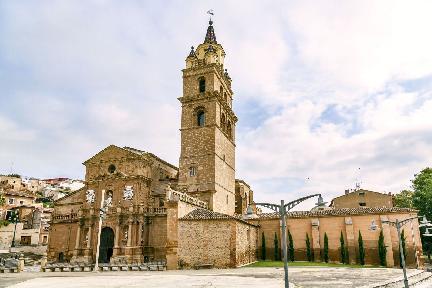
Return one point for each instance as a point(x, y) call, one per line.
point(227, 278)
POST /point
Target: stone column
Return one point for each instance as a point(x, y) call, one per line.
point(139, 232)
point(78, 239)
point(129, 239)
point(387, 241)
point(89, 236)
point(316, 247)
point(349, 230)
point(116, 250)
point(172, 235)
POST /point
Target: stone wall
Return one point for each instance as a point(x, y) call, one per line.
point(223, 243)
point(350, 225)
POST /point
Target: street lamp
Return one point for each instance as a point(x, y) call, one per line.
point(14, 219)
point(102, 211)
point(398, 224)
point(282, 209)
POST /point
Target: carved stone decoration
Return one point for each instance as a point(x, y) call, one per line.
point(128, 193)
point(90, 196)
point(108, 200)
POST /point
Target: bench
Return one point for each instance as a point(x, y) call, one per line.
point(203, 266)
point(9, 269)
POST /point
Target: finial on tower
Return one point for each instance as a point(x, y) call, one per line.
point(210, 35)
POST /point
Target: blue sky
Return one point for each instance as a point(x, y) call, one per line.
point(321, 88)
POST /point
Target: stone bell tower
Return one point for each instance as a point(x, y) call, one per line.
point(207, 159)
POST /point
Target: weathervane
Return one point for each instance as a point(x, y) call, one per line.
point(211, 13)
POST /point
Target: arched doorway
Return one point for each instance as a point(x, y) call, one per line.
point(106, 245)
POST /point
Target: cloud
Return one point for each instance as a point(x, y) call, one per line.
point(321, 89)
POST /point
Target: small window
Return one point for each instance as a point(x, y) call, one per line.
point(362, 204)
point(192, 171)
point(161, 202)
point(225, 97)
point(229, 129)
point(11, 201)
point(201, 118)
point(221, 90)
point(21, 202)
point(202, 85)
point(227, 199)
point(111, 168)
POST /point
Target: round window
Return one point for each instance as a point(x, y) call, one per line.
point(111, 168)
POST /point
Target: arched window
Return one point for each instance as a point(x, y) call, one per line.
point(192, 171)
point(221, 90)
point(223, 122)
point(201, 118)
point(202, 85)
point(229, 129)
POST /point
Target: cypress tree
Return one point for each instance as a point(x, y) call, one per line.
point(361, 249)
point(403, 238)
point(290, 247)
point(382, 249)
point(326, 256)
point(308, 249)
point(276, 248)
point(263, 247)
point(342, 249)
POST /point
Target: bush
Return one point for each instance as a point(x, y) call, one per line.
point(308, 249)
point(343, 250)
point(263, 247)
point(361, 249)
point(382, 250)
point(276, 248)
point(290, 247)
point(326, 256)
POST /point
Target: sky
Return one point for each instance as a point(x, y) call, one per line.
point(328, 93)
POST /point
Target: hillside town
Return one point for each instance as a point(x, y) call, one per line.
point(26, 206)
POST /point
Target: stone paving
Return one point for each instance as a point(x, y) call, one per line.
point(227, 278)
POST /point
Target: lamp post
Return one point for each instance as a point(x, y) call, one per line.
point(102, 212)
point(282, 209)
point(14, 218)
point(399, 224)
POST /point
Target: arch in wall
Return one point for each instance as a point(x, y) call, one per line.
point(106, 245)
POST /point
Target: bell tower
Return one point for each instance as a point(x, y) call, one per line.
point(207, 158)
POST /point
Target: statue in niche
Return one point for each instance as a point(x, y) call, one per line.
point(128, 193)
point(108, 200)
point(90, 196)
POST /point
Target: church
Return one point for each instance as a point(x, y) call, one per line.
point(192, 214)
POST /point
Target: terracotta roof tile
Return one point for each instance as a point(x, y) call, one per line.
point(338, 212)
point(204, 214)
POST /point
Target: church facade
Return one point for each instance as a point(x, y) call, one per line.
point(192, 215)
point(145, 198)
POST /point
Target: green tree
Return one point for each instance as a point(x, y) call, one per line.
point(382, 249)
point(326, 248)
point(404, 199)
point(276, 248)
point(342, 249)
point(403, 239)
point(308, 249)
point(422, 201)
point(422, 197)
point(361, 249)
point(290, 246)
point(263, 247)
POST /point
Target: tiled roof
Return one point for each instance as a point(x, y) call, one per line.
point(338, 212)
point(204, 214)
